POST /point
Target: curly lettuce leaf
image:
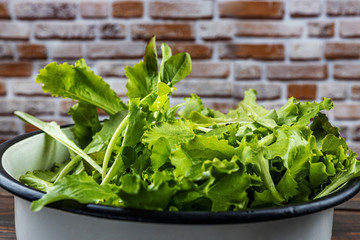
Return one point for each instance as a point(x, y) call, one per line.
point(134, 190)
point(190, 156)
point(79, 82)
point(227, 185)
point(175, 132)
point(249, 107)
point(308, 111)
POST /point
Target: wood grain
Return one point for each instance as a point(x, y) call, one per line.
point(346, 225)
point(7, 224)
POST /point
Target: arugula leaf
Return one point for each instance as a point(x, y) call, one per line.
point(53, 129)
point(176, 68)
point(79, 82)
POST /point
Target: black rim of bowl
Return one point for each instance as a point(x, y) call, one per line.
point(247, 216)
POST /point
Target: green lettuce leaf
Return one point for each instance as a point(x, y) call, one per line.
point(86, 122)
point(158, 194)
point(53, 129)
point(79, 82)
point(175, 132)
point(176, 68)
point(80, 188)
point(36, 182)
point(259, 114)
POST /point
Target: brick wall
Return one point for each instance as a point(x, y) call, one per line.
point(308, 49)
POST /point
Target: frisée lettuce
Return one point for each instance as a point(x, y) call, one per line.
point(154, 156)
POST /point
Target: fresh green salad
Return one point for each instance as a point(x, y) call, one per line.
point(151, 155)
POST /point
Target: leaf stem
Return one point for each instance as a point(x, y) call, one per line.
point(111, 145)
point(68, 167)
point(118, 163)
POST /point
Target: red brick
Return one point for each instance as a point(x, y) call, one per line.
point(266, 91)
point(349, 71)
point(209, 70)
point(305, 8)
point(247, 71)
point(31, 51)
point(45, 10)
point(63, 50)
point(14, 30)
point(342, 50)
point(296, 72)
point(268, 29)
point(321, 29)
point(112, 31)
point(15, 69)
point(94, 9)
point(306, 50)
point(164, 31)
point(343, 7)
point(347, 111)
point(127, 9)
point(2, 89)
point(196, 51)
point(251, 9)
point(210, 30)
point(350, 29)
point(254, 51)
point(65, 31)
point(5, 51)
point(33, 106)
point(302, 91)
point(214, 88)
point(355, 92)
point(4, 10)
point(115, 50)
point(184, 9)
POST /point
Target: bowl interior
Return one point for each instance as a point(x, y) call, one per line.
point(36, 152)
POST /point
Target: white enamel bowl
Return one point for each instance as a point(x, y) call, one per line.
point(37, 150)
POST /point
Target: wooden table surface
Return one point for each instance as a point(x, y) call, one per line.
point(346, 219)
